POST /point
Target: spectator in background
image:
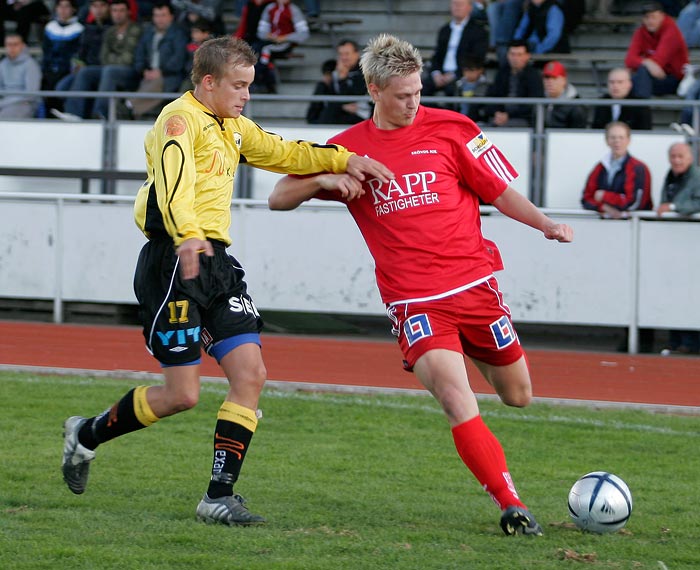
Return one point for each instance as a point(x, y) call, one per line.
point(463, 35)
point(282, 26)
point(681, 190)
point(187, 12)
point(117, 55)
point(18, 72)
point(25, 13)
point(620, 89)
point(681, 194)
point(619, 183)
point(346, 79)
point(518, 79)
point(112, 71)
point(688, 23)
point(472, 83)
point(542, 26)
point(657, 54)
point(557, 86)
point(160, 59)
point(59, 47)
point(200, 32)
point(322, 87)
point(503, 16)
point(86, 64)
point(250, 18)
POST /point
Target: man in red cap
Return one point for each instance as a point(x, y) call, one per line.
point(557, 86)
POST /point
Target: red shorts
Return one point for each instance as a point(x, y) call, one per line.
point(475, 322)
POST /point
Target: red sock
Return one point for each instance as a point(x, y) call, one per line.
point(483, 455)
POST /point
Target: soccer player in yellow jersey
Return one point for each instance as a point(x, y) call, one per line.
point(191, 292)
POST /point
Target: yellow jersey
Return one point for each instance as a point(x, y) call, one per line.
point(192, 156)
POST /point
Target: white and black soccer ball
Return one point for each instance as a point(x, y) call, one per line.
point(600, 502)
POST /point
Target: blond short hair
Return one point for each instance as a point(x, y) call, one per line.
point(214, 56)
point(387, 56)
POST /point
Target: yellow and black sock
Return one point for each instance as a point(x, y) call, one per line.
point(131, 413)
point(235, 426)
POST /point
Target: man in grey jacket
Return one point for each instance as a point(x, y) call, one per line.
point(18, 72)
point(681, 189)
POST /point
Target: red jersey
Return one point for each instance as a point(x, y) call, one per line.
point(423, 229)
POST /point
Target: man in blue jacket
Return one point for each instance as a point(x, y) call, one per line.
point(161, 58)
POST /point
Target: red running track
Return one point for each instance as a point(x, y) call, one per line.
point(610, 377)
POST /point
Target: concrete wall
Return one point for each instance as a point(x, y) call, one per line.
point(616, 273)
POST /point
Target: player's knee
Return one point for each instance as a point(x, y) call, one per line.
point(251, 379)
point(257, 376)
point(517, 398)
point(188, 401)
point(183, 401)
point(458, 405)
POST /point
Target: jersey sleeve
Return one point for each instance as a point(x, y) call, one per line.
point(483, 167)
point(174, 168)
point(272, 152)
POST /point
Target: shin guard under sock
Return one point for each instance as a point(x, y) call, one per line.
point(235, 426)
point(131, 413)
point(483, 455)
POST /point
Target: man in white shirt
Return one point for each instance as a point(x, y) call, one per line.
point(464, 34)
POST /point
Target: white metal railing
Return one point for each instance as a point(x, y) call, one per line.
point(538, 132)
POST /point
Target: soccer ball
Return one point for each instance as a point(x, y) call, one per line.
point(600, 502)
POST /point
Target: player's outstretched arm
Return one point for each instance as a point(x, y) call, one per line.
point(519, 208)
point(289, 191)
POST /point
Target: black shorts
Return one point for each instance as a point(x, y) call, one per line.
point(179, 317)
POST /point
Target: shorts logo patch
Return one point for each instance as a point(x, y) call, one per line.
point(416, 328)
point(391, 313)
point(206, 337)
point(179, 339)
point(503, 332)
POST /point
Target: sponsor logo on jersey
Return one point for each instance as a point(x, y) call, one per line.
point(417, 327)
point(479, 145)
point(424, 151)
point(503, 332)
point(217, 164)
point(411, 190)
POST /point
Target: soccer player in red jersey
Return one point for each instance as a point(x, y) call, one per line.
point(434, 269)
